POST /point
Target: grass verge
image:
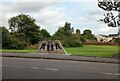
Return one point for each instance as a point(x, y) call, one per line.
point(86, 50)
point(94, 50)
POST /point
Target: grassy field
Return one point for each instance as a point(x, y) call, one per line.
point(86, 50)
point(20, 51)
point(93, 50)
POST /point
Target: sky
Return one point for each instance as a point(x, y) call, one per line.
point(52, 14)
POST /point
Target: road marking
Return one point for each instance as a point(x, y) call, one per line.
point(111, 74)
point(12, 66)
point(117, 74)
point(34, 67)
point(51, 69)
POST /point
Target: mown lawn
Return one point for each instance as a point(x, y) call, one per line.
point(93, 50)
point(20, 51)
point(86, 50)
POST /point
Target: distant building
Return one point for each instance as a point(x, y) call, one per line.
point(106, 38)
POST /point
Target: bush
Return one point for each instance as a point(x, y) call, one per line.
point(71, 41)
point(75, 43)
point(15, 43)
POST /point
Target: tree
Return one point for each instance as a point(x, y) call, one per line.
point(67, 29)
point(5, 37)
point(15, 43)
point(10, 41)
point(87, 34)
point(110, 19)
point(67, 37)
point(78, 32)
point(44, 33)
point(26, 27)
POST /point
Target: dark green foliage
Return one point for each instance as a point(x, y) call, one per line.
point(67, 29)
point(5, 37)
point(78, 32)
point(44, 33)
point(88, 36)
point(15, 43)
point(10, 41)
point(20, 22)
point(74, 41)
point(82, 39)
point(26, 27)
point(66, 36)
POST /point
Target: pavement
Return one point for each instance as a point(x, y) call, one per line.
point(61, 57)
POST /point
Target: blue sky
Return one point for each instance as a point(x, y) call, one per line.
point(52, 14)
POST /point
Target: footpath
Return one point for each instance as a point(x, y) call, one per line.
point(61, 57)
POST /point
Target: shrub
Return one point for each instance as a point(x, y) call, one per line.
point(75, 43)
point(15, 43)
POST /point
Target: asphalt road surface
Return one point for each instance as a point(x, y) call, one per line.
point(27, 68)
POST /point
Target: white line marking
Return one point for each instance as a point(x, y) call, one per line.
point(50, 69)
point(117, 74)
point(111, 74)
point(12, 66)
point(34, 67)
point(20, 66)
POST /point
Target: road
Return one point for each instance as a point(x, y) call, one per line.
point(27, 68)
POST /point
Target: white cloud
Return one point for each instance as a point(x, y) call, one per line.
point(51, 18)
point(103, 29)
point(47, 15)
point(49, 1)
point(29, 0)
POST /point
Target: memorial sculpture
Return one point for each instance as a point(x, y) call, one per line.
point(51, 47)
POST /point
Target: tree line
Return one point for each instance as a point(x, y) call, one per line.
point(23, 31)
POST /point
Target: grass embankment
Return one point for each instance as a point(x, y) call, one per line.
point(93, 50)
point(20, 51)
point(86, 50)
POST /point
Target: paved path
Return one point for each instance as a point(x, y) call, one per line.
point(24, 68)
point(61, 57)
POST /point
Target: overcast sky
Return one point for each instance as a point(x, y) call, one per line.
point(51, 14)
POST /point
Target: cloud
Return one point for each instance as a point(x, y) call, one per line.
point(46, 14)
point(103, 29)
point(49, 0)
point(10, 9)
point(28, 0)
point(51, 18)
point(50, 14)
point(25, 7)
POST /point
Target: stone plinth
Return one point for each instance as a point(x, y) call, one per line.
point(52, 46)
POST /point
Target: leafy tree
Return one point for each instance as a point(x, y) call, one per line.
point(78, 32)
point(74, 41)
point(87, 34)
point(67, 37)
point(15, 43)
point(44, 33)
point(26, 27)
point(10, 41)
point(5, 36)
point(67, 29)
